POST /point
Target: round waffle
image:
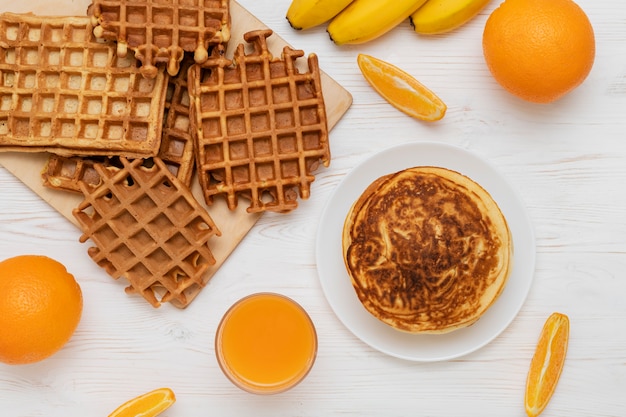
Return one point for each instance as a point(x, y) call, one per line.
point(427, 250)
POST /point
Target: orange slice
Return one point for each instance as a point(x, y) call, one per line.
point(401, 90)
point(149, 404)
point(547, 363)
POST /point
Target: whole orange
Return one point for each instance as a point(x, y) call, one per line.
point(539, 50)
point(40, 307)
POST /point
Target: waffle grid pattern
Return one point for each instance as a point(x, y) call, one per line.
point(176, 150)
point(66, 173)
point(63, 91)
point(176, 141)
point(160, 31)
point(148, 228)
point(261, 126)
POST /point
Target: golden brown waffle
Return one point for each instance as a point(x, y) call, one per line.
point(177, 142)
point(149, 229)
point(260, 125)
point(176, 151)
point(160, 31)
point(63, 91)
point(66, 172)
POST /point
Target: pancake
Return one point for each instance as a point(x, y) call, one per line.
point(427, 250)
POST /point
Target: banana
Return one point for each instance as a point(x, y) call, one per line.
point(439, 16)
point(364, 20)
point(305, 14)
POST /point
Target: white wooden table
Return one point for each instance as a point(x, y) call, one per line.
point(567, 160)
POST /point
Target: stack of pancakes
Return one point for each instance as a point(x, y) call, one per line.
point(427, 249)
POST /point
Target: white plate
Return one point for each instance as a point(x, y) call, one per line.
point(336, 282)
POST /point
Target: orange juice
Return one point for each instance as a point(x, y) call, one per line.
point(266, 343)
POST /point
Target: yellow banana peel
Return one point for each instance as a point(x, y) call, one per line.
point(440, 16)
point(365, 20)
point(305, 14)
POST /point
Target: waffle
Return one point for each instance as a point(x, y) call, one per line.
point(177, 142)
point(148, 228)
point(260, 126)
point(66, 172)
point(160, 31)
point(176, 150)
point(63, 91)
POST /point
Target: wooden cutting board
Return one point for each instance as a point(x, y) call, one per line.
point(234, 225)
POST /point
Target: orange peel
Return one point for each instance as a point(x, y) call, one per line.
point(547, 364)
point(149, 404)
point(401, 89)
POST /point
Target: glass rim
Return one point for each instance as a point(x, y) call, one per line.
point(265, 388)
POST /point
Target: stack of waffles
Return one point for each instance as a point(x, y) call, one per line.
point(136, 100)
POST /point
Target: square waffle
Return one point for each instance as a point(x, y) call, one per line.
point(160, 31)
point(149, 229)
point(176, 150)
point(63, 91)
point(260, 125)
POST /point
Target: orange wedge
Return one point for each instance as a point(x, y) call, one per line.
point(547, 363)
point(401, 90)
point(149, 404)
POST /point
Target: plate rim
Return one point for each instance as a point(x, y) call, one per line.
point(521, 232)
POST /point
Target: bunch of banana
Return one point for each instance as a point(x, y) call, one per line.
point(305, 14)
point(352, 21)
point(364, 20)
point(439, 16)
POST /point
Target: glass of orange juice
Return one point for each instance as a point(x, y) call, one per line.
point(266, 343)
